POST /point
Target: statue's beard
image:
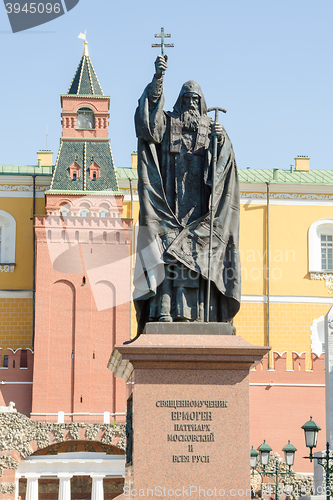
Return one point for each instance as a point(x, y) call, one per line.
point(190, 119)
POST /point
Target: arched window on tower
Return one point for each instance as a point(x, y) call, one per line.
point(104, 210)
point(64, 209)
point(85, 119)
point(84, 209)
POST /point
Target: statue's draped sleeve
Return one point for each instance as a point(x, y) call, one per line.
point(156, 217)
point(150, 121)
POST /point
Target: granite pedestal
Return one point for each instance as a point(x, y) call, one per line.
point(191, 429)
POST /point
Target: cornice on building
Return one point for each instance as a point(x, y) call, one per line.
point(20, 180)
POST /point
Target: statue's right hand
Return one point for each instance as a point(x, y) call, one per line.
point(160, 66)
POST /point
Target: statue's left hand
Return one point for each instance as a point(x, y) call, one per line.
point(217, 129)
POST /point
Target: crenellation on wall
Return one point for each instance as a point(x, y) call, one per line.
point(280, 373)
point(318, 362)
point(16, 380)
point(289, 327)
point(280, 361)
point(15, 370)
point(299, 361)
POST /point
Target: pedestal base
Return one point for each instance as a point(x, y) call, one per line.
point(190, 414)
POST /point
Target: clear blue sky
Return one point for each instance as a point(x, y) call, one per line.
point(268, 62)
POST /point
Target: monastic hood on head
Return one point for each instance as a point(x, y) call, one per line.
point(191, 86)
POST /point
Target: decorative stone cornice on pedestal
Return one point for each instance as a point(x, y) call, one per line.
point(194, 389)
point(229, 349)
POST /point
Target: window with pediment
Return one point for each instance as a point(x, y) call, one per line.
point(94, 171)
point(75, 171)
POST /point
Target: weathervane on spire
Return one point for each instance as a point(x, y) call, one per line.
point(162, 35)
point(83, 36)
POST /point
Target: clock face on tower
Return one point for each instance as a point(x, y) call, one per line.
point(85, 119)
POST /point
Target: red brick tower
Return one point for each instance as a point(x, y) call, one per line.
point(83, 265)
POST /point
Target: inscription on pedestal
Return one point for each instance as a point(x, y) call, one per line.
point(193, 425)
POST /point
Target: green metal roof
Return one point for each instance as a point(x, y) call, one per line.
point(246, 175)
point(279, 176)
point(85, 81)
point(126, 173)
point(93, 193)
point(25, 170)
point(260, 176)
point(84, 154)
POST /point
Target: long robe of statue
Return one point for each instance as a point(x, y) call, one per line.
point(174, 186)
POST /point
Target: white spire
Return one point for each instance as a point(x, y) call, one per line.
point(83, 36)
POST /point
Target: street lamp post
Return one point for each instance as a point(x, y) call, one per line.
point(253, 459)
point(265, 449)
point(311, 430)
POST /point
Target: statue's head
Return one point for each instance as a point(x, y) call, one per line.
point(191, 97)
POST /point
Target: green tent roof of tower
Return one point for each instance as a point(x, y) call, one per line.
point(85, 154)
point(85, 81)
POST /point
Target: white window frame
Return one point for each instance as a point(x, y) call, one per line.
point(8, 238)
point(328, 245)
point(322, 226)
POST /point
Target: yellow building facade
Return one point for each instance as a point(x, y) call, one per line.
point(22, 190)
point(285, 283)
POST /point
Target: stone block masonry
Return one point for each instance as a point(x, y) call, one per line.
point(20, 437)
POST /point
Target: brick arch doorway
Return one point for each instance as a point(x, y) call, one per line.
point(75, 470)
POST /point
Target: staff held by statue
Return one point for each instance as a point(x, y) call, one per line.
point(211, 211)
